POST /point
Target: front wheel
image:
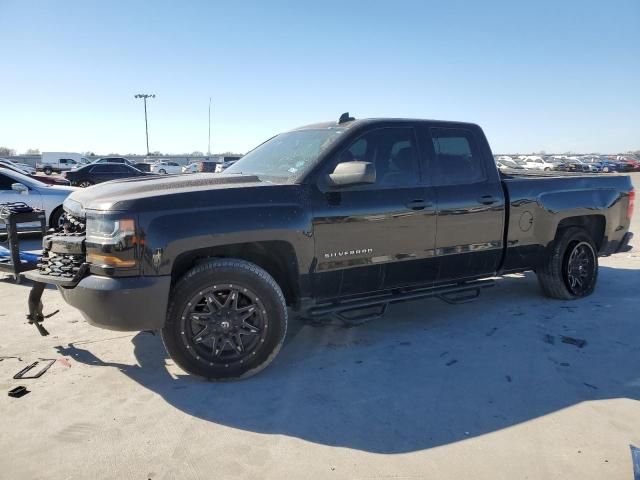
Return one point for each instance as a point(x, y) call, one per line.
point(227, 320)
point(57, 218)
point(85, 184)
point(570, 270)
point(162, 171)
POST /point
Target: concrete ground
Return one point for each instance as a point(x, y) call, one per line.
point(485, 390)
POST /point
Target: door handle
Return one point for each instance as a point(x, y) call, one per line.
point(487, 200)
point(418, 204)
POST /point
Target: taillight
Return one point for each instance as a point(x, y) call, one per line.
point(632, 198)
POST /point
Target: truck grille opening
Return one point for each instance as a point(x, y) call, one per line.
point(63, 250)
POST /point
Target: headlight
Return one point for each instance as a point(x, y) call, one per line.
point(111, 241)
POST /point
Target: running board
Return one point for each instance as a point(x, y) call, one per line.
point(453, 294)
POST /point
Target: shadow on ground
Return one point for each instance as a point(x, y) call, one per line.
point(427, 374)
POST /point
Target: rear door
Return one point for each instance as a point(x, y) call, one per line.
point(380, 235)
point(470, 203)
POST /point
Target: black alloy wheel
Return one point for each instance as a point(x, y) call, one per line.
point(226, 320)
point(224, 325)
point(570, 268)
point(580, 268)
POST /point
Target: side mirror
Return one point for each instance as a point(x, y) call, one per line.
point(18, 187)
point(352, 173)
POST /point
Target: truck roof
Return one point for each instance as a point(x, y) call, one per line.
point(369, 121)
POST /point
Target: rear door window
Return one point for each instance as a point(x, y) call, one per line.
point(457, 159)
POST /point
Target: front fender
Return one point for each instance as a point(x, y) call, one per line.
point(168, 236)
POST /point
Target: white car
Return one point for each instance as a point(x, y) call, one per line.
point(191, 168)
point(166, 167)
point(16, 187)
point(537, 163)
point(20, 166)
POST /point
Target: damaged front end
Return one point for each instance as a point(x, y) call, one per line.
point(63, 263)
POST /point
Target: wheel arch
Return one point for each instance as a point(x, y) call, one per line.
point(594, 224)
point(276, 257)
point(54, 212)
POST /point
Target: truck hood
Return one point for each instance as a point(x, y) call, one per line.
point(116, 194)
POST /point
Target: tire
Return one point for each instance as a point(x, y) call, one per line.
point(56, 217)
point(605, 169)
point(85, 183)
point(47, 170)
point(547, 169)
point(162, 171)
point(558, 274)
point(197, 305)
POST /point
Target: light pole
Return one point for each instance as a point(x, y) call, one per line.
point(209, 144)
point(144, 96)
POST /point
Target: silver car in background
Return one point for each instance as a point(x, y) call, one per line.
point(16, 187)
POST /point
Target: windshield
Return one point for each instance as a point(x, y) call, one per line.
point(286, 156)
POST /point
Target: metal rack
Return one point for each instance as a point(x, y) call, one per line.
point(12, 215)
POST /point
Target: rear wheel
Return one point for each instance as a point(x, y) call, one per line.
point(47, 170)
point(570, 270)
point(85, 183)
point(227, 319)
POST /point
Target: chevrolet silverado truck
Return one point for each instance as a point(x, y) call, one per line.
point(332, 219)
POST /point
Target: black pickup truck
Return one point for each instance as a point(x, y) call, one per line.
point(332, 219)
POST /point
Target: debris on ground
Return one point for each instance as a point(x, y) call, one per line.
point(18, 392)
point(22, 373)
point(8, 358)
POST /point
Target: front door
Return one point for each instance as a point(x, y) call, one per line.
point(380, 235)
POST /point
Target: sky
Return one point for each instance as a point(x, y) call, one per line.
point(544, 75)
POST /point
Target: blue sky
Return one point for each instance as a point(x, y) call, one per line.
point(544, 75)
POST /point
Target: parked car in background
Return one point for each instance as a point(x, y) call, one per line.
point(629, 164)
point(143, 166)
point(537, 163)
point(164, 168)
point(44, 179)
point(5, 162)
point(207, 166)
point(17, 187)
point(574, 165)
point(101, 172)
point(610, 166)
point(221, 167)
point(193, 167)
point(51, 162)
point(509, 165)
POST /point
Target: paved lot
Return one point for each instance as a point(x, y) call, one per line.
point(485, 390)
